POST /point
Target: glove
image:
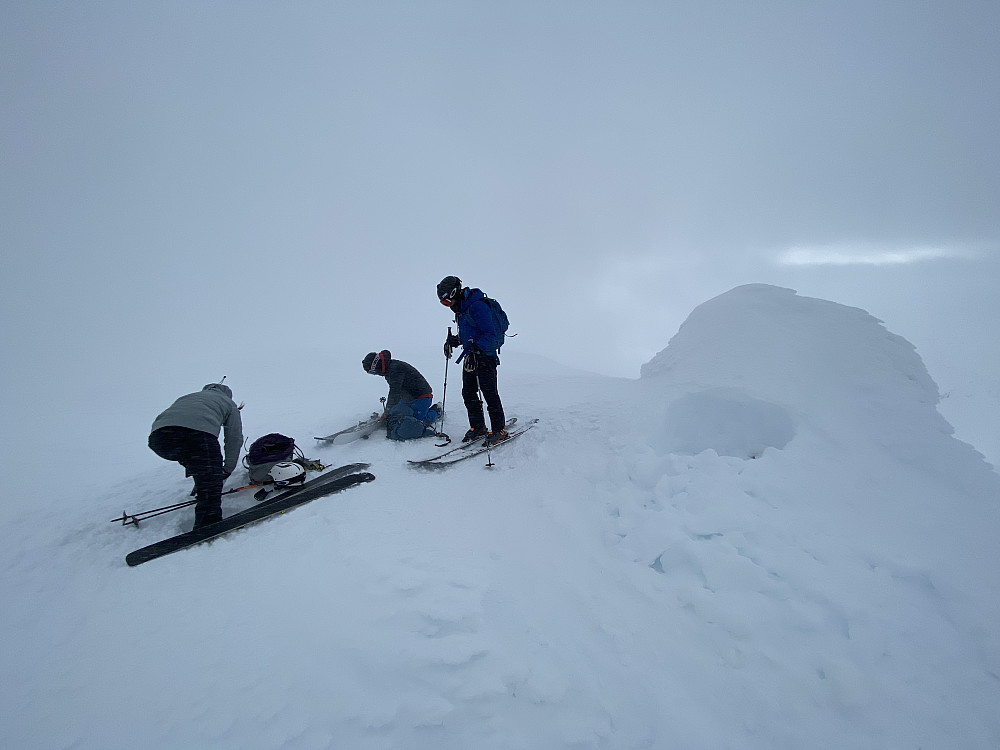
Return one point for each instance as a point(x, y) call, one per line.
point(471, 361)
point(449, 345)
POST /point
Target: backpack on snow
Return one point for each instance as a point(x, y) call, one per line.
point(272, 449)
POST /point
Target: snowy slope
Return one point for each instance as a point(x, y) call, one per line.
point(770, 539)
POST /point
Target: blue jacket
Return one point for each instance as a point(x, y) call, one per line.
point(475, 324)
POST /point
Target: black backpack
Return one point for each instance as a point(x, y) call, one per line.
point(272, 449)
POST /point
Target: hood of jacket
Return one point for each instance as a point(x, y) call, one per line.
point(219, 387)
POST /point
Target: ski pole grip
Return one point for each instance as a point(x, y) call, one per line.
point(447, 352)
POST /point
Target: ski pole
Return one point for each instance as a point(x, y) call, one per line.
point(444, 394)
point(444, 398)
point(134, 518)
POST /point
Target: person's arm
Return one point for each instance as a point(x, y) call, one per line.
point(233, 429)
point(395, 380)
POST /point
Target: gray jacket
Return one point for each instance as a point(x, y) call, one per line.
point(208, 410)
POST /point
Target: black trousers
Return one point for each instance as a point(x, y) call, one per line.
point(483, 380)
point(200, 455)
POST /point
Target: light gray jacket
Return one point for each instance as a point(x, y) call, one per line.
point(208, 410)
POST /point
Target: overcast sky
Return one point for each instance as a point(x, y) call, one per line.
point(192, 188)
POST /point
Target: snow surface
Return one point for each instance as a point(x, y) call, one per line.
point(769, 540)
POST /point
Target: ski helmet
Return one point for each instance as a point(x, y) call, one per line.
point(448, 288)
point(286, 473)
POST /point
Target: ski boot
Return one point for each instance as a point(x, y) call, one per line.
point(474, 433)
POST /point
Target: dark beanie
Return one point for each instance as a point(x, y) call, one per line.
point(376, 363)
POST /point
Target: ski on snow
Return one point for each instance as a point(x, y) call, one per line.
point(461, 446)
point(362, 429)
point(472, 448)
point(325, 484)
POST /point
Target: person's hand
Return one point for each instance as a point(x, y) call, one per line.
point(471, 361)
point(450, 343)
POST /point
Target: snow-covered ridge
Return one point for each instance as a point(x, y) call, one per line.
point(769, 540)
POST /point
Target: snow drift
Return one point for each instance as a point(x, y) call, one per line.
point(770, 539)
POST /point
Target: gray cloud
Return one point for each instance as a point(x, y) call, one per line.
point(184, 181)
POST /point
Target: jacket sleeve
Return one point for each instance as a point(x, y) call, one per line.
point(395, 380)
point(234, 439)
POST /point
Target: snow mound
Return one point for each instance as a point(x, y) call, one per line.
point(749, 368)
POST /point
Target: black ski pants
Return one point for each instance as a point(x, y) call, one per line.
point(201, 456)
point(482, 379)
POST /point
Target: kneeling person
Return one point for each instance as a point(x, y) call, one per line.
point(409, 413)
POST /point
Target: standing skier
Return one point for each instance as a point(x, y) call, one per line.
point(188, 433)
point(480, 339)
point(408, 409)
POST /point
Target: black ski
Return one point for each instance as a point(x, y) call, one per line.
point(477, 449)
point(335, 481)
point(461, 447)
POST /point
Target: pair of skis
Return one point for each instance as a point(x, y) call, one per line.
point(449, 457)
point(362, 430)
point(473, 448)
point(325, 484)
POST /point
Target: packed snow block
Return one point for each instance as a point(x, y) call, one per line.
point(725, 420)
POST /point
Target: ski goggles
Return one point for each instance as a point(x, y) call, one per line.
point(378, 365)
point(448, 298)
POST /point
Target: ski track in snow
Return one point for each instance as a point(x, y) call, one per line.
point(721, 554)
